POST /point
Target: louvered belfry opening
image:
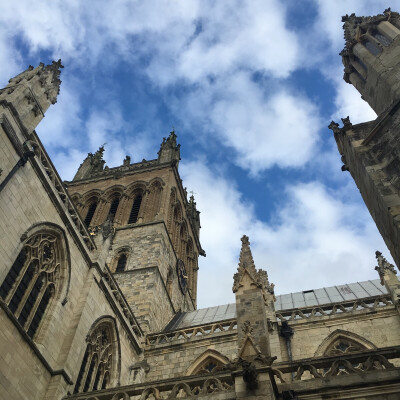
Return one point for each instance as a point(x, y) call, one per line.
point(133, 217)
point(121, 263)
point(114, 207)
point(90, 213)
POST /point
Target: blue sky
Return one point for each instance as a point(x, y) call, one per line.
point(249, 86)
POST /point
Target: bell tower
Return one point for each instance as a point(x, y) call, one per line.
point(155, 230)
point(371, 151)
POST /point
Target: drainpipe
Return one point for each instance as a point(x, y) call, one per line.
point(287, 333)
point(20, 163)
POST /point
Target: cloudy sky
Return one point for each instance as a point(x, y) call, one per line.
point(250, 87)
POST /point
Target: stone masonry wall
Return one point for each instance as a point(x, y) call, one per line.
point(61, 336)
point(375, 167)
point(173, 360)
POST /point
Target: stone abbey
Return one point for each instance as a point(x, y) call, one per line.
point(98, 275)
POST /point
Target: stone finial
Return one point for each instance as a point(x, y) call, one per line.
point(246, 258)
point(193, 214)
point(169, 149)
point(334, 127)
point(383, 266)
point(247, 266)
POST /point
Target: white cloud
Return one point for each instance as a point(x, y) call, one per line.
point(278, 128)
point(317, 238)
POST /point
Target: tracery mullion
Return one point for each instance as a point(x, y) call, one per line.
point(29, 304)
point(89, 374)
point(40, 310)
point(22, 288)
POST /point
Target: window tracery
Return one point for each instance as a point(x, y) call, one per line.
point(31, 283)
point(343, 346)
point(97, 363)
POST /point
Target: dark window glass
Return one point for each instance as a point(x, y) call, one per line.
point(135, 209)
point(382, 38)
point(372, 47)
point(13, 274)
point(22, 287)
point(114, 207)
point(121, 263)
point(82, 370)
point(97, 378)
point(90, 373)
point(105, 381)
point(44, 302)
point(31, 300)
point(90, 213)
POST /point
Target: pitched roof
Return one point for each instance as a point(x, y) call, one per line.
point(306, 298)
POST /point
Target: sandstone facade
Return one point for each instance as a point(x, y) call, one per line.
point(98, 276)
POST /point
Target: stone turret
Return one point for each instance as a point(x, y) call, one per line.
point(32, 92)
point(194, 214)
point(169, 150)
point(93, 163)
point(255, 318)
point(371, 57)
point(370, 150)
point(387, 273)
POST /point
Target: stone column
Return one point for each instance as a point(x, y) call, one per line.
point(255, 308)
point(387, 273)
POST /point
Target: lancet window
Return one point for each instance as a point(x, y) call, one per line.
point(382, 38)
point(373, 48)
point(134, 214)
point(113, 207)
point(98, 362)
point(90, 213)
point(31, 283)
point(121, 264)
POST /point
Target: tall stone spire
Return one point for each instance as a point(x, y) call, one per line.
point(256, 323)
point(32, 92)
point(169, 149)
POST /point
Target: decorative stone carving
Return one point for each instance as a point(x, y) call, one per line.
point(383, 266)
point(247, 266)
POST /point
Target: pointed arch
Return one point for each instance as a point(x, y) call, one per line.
point(170, 217)
point(124, 253)
point(341, 341)
point(153, 200)
point(112, 192)
point(101, 364)
point(38, 281)
point(208, 362)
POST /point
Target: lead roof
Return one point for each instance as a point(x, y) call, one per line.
point(306, 298)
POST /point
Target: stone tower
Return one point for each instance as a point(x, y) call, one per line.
point(154, 230)
point(371, 151)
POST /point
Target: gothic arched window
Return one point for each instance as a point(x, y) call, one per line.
point(90, 213)
point(153, 201)
point(382, 38)
point(113, 207)
point(98, 363)
point(343, 345)
point(373, 48)
point(121, 264)
point(209, 362)
point(133, 216)
point(32, 281)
